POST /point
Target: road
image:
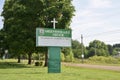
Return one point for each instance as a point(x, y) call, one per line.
point(114, 68)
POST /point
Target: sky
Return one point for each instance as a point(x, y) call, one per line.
point(1, 18)
point(94, 19)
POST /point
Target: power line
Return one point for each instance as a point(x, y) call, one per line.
point(113, 40)
point(104, 33)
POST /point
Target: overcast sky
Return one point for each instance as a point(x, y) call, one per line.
point(94, 19)
point(1, 6)
point(97, 19)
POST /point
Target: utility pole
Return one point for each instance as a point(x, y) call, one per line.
point(82, 48)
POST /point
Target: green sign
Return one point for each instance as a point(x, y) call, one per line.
point(54, 65)
point(53, 37)
point(54, 32)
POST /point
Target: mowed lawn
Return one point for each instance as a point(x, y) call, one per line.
point(14, 71)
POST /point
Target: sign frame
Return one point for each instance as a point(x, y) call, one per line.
point(46, 37)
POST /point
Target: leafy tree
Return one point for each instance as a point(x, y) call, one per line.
point(77, 49)
point(116, 45)
point(1, 43)
point(116, 49)
point(21, 17)
point(110, 49)
point(97, 47)
point(62, 57)
point(67, 53)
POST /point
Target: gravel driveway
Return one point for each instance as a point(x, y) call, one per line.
point(115, 68)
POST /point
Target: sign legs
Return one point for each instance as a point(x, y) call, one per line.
point(54, 60)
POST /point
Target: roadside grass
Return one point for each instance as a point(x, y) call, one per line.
point(86, 61)
point(100, 60)
point(14, 71)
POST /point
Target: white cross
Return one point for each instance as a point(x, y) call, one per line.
point(54, 21)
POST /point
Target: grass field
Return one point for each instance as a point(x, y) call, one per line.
point(15, 71)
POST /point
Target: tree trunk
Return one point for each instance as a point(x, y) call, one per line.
point(46, 60)
point(29, 58)
point(19, 59)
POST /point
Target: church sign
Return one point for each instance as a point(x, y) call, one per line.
point(53, 37)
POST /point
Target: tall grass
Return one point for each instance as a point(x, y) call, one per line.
point(102, 59)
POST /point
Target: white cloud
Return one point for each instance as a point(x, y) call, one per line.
point(86, 19)
point(89, 13)
point(1, 22)
point(100, 3)
point(97, 17)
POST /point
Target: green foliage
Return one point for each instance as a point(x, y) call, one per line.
point(21, 17)
point(66, 51)
point(110, 49)
point(77, 49)
point(116, 50)
point(68, 54)
point(38, 63)
point(97, 47)
point(11, 64)
point(70, 57)
point(102, 59)
point(62, 57)
point(2, 46)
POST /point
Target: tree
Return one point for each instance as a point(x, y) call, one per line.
point(1, 43)
point(97, 47)
point(116, 49)
point(77, 49)
point(110, 49)
point(116, 45)
point(21, 17)
point(68, 54)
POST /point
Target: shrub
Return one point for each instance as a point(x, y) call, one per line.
point(102, 59)
point(38, 63)
point(70, 57)
point(62, 57)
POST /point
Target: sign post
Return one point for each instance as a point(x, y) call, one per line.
point(54, 39)
point(54, 60)
point(54, 65)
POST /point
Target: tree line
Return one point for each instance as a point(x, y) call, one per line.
point(22, 17)
point(95, 47)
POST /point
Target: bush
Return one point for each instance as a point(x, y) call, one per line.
point(62, 57)
point(70, 57)
point(38, 63)
point(102, 59)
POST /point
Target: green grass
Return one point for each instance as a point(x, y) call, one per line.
point(100, 60)
point(15, 71)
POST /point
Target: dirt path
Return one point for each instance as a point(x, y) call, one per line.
point(115, 68)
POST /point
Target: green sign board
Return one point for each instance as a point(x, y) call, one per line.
point(53, 37)
point(54, 65)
